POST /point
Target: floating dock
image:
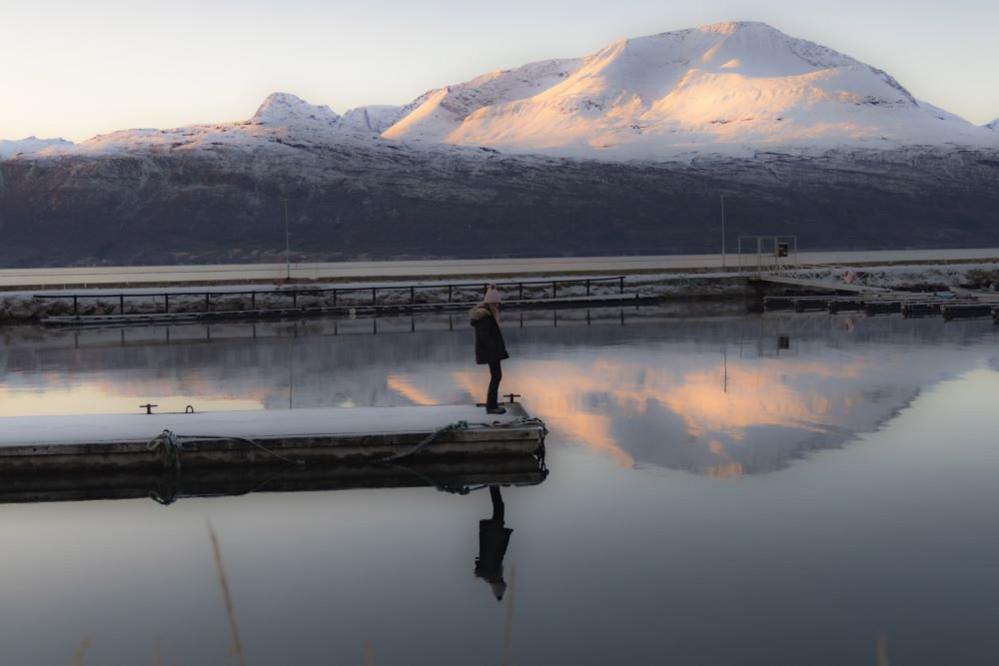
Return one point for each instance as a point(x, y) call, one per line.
point(962, 306)
point(136, 443)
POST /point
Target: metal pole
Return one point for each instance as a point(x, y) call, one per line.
point(287, 243)
point(723, 229)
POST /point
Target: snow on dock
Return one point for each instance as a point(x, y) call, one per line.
point(301, 436)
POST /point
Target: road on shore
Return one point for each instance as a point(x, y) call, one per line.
point(453, 268)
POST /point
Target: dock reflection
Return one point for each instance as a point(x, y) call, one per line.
point(455, 476)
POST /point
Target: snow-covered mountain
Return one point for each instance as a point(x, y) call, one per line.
point(32, 144)
point(994, 125)
point(726, 88)
point(283, 109)
point(716, 87)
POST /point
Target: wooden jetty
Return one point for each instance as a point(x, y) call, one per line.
point(131, 443)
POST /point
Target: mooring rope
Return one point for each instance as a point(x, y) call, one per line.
point(169, 448)
point(522, 421)
point(519, 422)
point(170, 445)
point(249, 441)
point(457, 425)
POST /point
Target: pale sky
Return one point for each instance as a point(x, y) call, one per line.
point(76, 68)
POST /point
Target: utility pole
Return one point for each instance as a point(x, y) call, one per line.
point(723, 229)
point(287, 243)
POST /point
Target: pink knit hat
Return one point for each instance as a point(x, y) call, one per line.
point(492, 295)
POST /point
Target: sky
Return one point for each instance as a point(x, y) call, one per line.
point(76, 69)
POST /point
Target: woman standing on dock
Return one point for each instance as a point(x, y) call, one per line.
point(489, 346)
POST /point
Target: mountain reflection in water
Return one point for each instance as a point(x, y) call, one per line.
point(722, 396)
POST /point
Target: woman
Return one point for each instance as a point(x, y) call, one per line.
point(489, 346)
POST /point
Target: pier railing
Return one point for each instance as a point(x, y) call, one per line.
point(371, 296)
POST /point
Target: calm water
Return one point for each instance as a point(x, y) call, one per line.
point(724, 489)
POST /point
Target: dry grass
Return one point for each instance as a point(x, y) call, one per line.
point(881, 651)
point(237, 645)
point(81, 650)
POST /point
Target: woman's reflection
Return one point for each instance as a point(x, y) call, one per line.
point(494, 537)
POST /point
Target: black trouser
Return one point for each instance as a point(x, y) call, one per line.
point(495, 375)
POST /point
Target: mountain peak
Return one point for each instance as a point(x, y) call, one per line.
point(731, 27)
point(284, 108)
point(994, 125)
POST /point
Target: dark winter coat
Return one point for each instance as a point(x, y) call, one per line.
point(489, 345)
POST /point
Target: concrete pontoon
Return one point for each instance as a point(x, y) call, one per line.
point(300, 437)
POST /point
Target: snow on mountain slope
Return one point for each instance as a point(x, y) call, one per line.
point(994, 125)
point(9, 148)
point(281, 119)
point(373, 119)
point(435, 114)
point(718, 86)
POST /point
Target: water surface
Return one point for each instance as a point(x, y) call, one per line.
point(723, 488)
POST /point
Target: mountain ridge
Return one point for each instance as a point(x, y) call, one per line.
point(729, 88)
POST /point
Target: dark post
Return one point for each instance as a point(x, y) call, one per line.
point(121, 303)
point(374, 300)
point(294, 299)
point(449, 293)
point(334, 298)
point(208, 302)
point(253, 300)
point(587, 286)
point(622, 283)
point(554, 289)
point(521, 296)
point(166, 302)
point(75, 306)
